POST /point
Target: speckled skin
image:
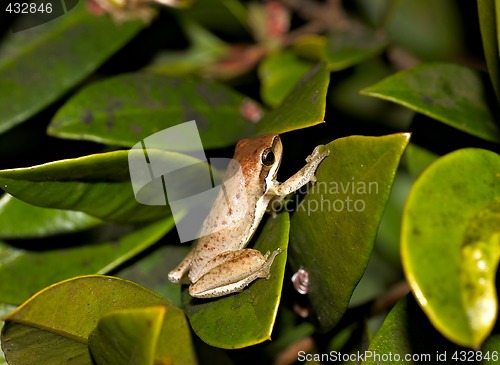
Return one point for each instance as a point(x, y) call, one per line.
point(219, 264)
point(236, 235)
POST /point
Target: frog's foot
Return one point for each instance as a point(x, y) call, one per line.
point(318, 155)
point(237, 270)
point(304, 175)
point(315, 158)
point(269, 262)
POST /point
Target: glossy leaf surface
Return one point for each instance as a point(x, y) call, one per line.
point(449, 93)
point(451, 243)
point(334, 227)
point(39, 222)
point(125, 109)
point(26, 271)
point(488, 14)
point(39, 65)
point(407, 337)
point(279, 73)
point(99, 185)
point(303, 107)
point(53, 327)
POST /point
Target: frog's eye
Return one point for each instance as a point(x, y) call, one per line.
point(268, 157)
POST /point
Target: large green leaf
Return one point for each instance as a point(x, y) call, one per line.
point(98, 185)
point(303, 107)
point(279, 73)
point(39, 65)
point(488, 13)
point(246, 318)
point(334, 227)
point(53, 327)
point(128, 336)
point(405, 332)
point(24, 272)
point(451, 243)
point(145, 336)
point(449, 93)
point(127, 108)
point(39, 222)
point(407, 337)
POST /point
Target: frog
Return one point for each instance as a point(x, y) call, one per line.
point(220, 264)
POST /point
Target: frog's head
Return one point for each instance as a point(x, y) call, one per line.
point(260, 157)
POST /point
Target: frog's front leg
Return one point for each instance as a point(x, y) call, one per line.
point(232, 271)
point(303, 176)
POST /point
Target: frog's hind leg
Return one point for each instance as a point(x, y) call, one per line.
point(236, 270)
point(177, 274)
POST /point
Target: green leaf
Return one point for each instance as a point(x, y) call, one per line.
point(278, 74)
point(449, 93)
point(451, 221)
point(490, 28)
point(39, 65)
point(127, 336)
point(352, 45)
point(98, 185)
point(406, 332)
point(334, 227)
point(303, 107)
point(39, 222)
point(25, 272)
point(127, 108)
point(53, 327)
point(247, 318)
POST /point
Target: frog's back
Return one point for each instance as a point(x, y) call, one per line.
point(240, 204)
